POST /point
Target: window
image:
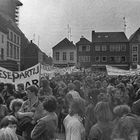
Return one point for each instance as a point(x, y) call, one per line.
point(8, 35)
point(11, 34)
point(8, 49)
point(104, 59)
point(87, 48)
point(117, 59)
point(134, 57)
point(123, 47)
point(97, 48)
point(134, 48)
point(84, 48)
point(2, 38)
point(104, 48)
point(87, 58)
point(81, 59)
point(112, 59)
point(14, 38)
point(2, 53)
point(112, 48)
point(17, 52)
point(71, 56)
point(117, 48)
point(57, 55)
point(97, 59)
point(18, 40)
point(123, 59)
point(64, 56)
point(80, 48)
point(11, 50)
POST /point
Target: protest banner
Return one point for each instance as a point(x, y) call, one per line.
point(116, 71)
point(6, 76)
point(29, 76)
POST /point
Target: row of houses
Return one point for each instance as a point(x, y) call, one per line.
point(16, 51)
point(105, 48)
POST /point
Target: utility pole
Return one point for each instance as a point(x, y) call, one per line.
point(38, 40)
point(69, 32)
point(124, 21)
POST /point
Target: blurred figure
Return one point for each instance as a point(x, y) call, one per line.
point(126, 128)
point(102, 130)
point(46, 127)
point(3, 109)
point(10, 122)
point(21, 93)
point(7, 134)
point(45, 89)
point(73, 122)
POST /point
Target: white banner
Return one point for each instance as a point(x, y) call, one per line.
point(6, 76)
point(27, 77)
point(116, 71)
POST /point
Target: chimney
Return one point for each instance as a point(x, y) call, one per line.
point(93, 33)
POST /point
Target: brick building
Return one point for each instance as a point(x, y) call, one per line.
point(134, 42)
point(110, 48)
point(84, 52)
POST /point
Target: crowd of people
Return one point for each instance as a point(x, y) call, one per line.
point(82, 106)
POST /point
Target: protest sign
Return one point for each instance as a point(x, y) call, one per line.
point(29, 76)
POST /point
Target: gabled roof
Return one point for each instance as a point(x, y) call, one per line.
point(109, 37)
point(134, 37)
point(65, 43)
point(83, 41)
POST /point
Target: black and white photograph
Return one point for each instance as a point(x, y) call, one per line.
point(69, 69)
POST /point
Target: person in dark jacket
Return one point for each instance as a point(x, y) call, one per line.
point(46, 126)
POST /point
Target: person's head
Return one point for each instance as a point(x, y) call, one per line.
point(77, 106)
point(105, 83)
point(137, 82)
point(121, 110)
point(20, 87)
point(121, 87)
point(103, 112)
point(98, 84)
point(44, 83)
point(9, 121)
point(71, 86)
point(7, 134)
point(32, 91)
point(77, 84)
point(126, 128)
point(15, 105)
point(50, 104)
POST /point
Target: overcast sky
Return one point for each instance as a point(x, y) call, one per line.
point(49, 19)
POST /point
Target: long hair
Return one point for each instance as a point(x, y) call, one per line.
point(103, 112)
point(77, 107)
point(7, 134)
point(125, 127)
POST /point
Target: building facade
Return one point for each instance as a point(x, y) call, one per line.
point(10, 8)
point(110, 48)
point(10, 43)
point(134, 42)
point(84, 53)
point(64, 54)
